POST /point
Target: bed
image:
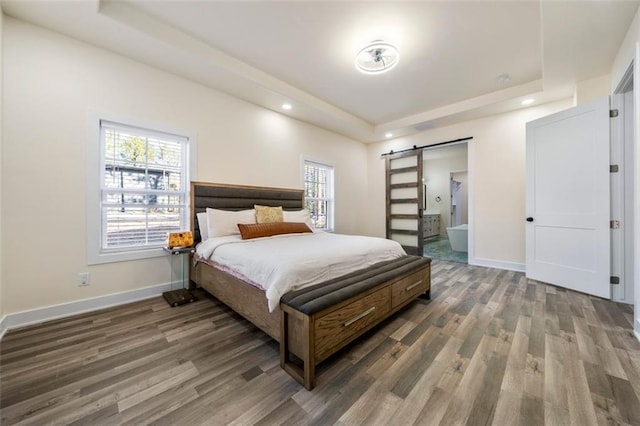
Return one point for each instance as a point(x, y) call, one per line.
point(313, 323)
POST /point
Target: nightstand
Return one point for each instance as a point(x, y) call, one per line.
point(180, 296)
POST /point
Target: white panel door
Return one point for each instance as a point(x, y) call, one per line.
point(568, 201)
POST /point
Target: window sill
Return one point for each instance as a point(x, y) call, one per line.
point(124, 256)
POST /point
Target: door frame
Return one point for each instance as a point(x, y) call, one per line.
point(622, 148)
point(630, 274)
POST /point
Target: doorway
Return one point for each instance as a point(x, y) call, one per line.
point(446, 202)
point(459, 189)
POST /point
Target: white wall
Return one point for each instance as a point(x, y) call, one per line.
point(630, 52)
point(1, 168)
point(626, 52)
point(498, 163)
point(592, 89)
point(52, 82)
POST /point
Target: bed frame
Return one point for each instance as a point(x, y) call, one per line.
point(305, 340)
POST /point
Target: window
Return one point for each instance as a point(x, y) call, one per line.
point(143, 191)
point(318, 193)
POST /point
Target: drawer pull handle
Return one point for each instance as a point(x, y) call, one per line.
point(359, 317)
point(413, 286)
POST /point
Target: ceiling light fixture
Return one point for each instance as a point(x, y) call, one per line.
point(388, 135)
point(377, 57)
point(286, 106)
point(527, 101)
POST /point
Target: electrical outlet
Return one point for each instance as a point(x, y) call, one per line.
point(83, 279)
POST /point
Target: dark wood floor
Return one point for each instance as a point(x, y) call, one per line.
point(490, 348)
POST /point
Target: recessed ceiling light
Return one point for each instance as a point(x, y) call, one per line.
point(527, 101)
point(377, 57)
point(503, 79)
point(286, 106)
point(388, 135)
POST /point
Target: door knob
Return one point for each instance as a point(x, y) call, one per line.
point(529, 219)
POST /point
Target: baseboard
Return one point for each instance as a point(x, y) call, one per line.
point(48, 313)
point(498, 264)
point(3, 327)
point(636, 331)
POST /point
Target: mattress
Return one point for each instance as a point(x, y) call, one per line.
point(290, 262)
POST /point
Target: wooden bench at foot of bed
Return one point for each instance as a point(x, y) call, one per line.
point(318, 321)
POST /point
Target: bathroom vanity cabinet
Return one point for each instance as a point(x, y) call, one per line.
point(431, 225)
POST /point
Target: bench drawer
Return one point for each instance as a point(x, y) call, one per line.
point(409, 287)
point(342, 325)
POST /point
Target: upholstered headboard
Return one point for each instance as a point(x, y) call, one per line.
point(238, 197)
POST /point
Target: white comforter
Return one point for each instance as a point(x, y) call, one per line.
point(288, 262)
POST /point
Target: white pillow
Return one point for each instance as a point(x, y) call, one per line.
point(298, 216)
point(203, 225)
point(223, 222)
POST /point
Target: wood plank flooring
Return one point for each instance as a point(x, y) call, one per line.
point(491, 347)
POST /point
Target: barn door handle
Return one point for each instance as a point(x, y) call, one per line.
point(529, 219)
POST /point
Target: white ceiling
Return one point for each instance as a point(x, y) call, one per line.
point(302, 52)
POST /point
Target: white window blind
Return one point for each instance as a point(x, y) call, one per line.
point(318, 193)
point(143, 187)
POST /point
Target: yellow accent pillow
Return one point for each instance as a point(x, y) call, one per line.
point(266, 214)
point(180, 239)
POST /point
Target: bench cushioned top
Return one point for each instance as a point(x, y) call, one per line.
point(313, 299)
